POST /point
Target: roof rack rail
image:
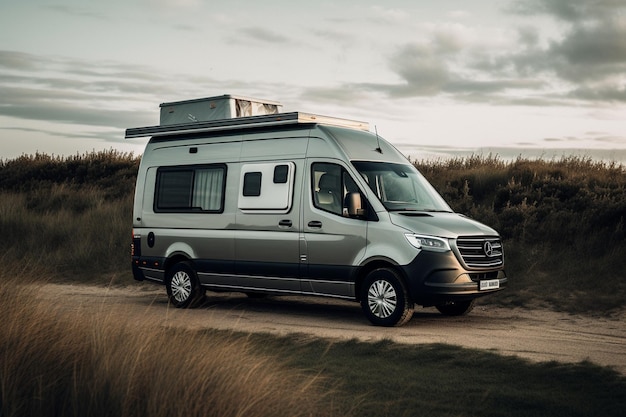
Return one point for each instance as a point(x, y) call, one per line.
point(249, 122)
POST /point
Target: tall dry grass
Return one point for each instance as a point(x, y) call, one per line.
point(73, 234)
point(56, 360)
point(69, 215)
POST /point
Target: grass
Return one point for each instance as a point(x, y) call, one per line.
point(388, 379)
point(72, 235)
point(57, 360)
point(69, 215)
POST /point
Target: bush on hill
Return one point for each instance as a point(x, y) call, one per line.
point(112, 171)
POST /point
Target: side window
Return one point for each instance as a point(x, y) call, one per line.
point(252, 184)
point(190, 189)
point(331, 186)
point(267, 187)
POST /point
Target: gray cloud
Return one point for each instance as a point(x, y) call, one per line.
point(597, 137)
point(590, 54)
point(98, 97)
point(262, 35)
point(29, 106)
point(584, 63)
point(600, 44)
point(184, 28)
point(423, 68)
point(78, 93)
point(567, 10)
point(19, 61)
point(112, 135)
point(600, 94)
point(75, 11)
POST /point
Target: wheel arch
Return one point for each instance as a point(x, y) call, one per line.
point(174, 259)
point(369, 266)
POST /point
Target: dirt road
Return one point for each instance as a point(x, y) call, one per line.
point(537, 335)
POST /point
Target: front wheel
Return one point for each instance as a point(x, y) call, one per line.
point(456, 308)
point(384, 298)
point(183, 287)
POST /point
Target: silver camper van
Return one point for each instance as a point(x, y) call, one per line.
point(233, 195)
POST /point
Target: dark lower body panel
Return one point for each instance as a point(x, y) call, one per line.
point(432, 278)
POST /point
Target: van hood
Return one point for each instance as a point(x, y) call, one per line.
point(447, 225)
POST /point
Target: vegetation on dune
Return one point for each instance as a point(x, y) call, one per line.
point(111, 172)
point(69, 215)
point(537, 201)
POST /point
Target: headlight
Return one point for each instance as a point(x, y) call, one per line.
point(432, 243)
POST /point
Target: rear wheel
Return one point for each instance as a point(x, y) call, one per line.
point(384, 298)
point(456, 308)
point(183, 287)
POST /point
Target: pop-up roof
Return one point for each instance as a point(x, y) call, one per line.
point(215, 108)
point(228, 113)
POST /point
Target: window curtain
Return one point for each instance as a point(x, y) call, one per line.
point(207, 190)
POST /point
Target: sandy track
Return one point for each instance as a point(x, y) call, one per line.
point(537, 335)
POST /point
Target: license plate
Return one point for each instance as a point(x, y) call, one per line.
point(490, 284)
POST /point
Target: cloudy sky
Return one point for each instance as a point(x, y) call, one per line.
point(445, 77)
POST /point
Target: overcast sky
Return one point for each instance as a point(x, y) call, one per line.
point(530, 77)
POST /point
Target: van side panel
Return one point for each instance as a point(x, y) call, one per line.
point(335, 243)
point(267, 230)
point(206, 238)
point(266, 240)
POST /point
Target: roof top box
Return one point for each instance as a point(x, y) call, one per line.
point(215, 108)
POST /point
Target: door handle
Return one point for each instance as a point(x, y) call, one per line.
point(315, 224)
point(285, 223)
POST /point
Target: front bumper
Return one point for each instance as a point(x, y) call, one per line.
point(435, 278)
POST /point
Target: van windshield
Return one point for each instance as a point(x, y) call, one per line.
point(400, 187)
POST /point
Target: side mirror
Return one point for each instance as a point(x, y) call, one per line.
point(355, 205)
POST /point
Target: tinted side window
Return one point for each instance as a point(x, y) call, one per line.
point(281, 174)
point(190, 189)
point(174, 189)
point(252, 184)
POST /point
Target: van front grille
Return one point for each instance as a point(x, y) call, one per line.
point(481, 251)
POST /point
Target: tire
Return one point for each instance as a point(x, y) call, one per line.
point(384, 298)
point(456, 308)
point(183, 287)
